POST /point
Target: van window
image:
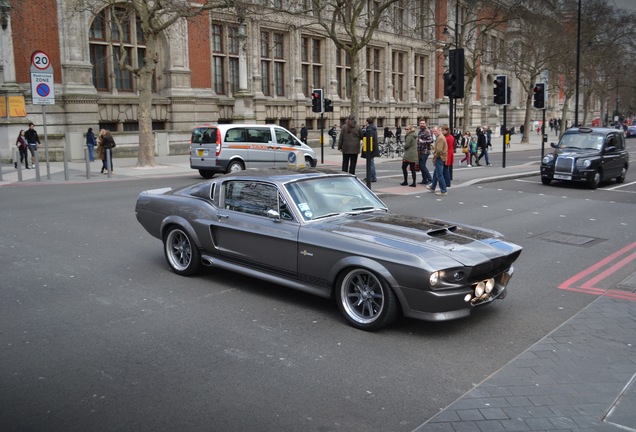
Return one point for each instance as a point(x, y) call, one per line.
point(259, 135)
point(235, 135)
point(204, 135)
point(284, 137)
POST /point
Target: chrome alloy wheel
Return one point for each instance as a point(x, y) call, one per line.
point(362, 296)
point(181, 253)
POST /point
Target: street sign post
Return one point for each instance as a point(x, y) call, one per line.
point(43, 93)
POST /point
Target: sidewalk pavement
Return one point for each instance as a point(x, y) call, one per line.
point(580, 377)
point(389, 169)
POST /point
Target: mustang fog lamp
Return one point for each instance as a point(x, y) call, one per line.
point(467, 298)
point(434, 278)
point(490, 284)
point(480, 289)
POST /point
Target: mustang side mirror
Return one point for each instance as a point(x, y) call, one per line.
point(273, 214)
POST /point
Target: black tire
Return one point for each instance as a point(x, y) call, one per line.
point(309, 162)
point(234, 166)
point(621, 178)
point(546, 180)
point(595, 180)
point(365, 300)
point(181, 253)
point(206, 174)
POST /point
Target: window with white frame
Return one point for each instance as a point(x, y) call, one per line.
point(421, 66)
point(311, 63)
point(399, 75)
point(373, 73)
point(116, 34)
point(273, 63)
point(343, 73)
point(225, 58)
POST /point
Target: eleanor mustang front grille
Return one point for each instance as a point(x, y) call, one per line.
point(564, 165)
point(492, 267)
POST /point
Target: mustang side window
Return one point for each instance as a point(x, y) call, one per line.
point(253, 198)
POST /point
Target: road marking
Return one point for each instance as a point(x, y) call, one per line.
point(589, 286)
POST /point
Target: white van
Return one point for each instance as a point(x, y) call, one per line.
point(224, 148)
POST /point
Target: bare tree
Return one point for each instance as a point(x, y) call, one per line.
point(153, 17)
point(533, 35)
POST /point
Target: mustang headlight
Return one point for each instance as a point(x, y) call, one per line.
point(480, 289)
point(490, 284)
point(548, 158)
point(584, 163)
point(434, 278)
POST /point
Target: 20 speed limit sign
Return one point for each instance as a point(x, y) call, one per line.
point(42, 83)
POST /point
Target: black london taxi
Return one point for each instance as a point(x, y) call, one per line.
point(589, 155)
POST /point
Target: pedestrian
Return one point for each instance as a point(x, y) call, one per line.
point(387, 135)
point(349, 144)
point(107, 144)
point(424, 143)
point(90, 143)
point(482, 146)
point(409, 158)
point(333, 134)
point(371, 131)
point(398, 134)
point(472, 150)
point(439, 159)
point(32, 140)
point(23, 146)
point(466, 149)
point(303, 133)
point(450, 158)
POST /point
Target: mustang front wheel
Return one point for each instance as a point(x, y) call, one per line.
point(365, 300)
point(182, 254)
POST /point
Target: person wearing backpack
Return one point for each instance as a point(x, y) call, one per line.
point(333, 134)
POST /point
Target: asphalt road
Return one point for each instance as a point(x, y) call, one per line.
point(97, 333)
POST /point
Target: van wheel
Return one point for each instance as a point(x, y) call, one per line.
point(206, 174)
point(309, 162)
point(234, 166)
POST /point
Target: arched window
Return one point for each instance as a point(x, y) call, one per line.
point(112, 32)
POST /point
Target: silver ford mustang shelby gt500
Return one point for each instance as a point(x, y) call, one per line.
point(329, 235)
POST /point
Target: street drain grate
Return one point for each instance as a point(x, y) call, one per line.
point(628, 284)
point(569, 239)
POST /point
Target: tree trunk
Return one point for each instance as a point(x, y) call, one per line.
point(146, 154)
point(564, 113)
point(468, 101)
point(355, 84)
point(526, 118)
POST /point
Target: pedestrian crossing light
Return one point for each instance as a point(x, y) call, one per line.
point(500, 92)
point(328, 105)
point(317, 101)
point(539, 96)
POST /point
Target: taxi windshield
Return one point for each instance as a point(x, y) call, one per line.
point(587, 141)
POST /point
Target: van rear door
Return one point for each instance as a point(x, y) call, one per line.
point(203, 147)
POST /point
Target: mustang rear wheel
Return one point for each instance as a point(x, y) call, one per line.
point(181, 253)
point(365, 300)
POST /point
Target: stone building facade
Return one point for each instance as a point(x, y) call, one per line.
point(215, 69)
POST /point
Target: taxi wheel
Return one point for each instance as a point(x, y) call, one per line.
point(595, 180)
point(621, 178)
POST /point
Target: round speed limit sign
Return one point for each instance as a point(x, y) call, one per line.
point(40, 60)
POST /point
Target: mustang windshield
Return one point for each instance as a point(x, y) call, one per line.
point(587, 141)
point(329, 196)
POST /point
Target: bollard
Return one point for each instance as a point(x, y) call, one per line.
point(65, 164)
point(37, 166)
point(17, 152)
point(88, 163)
point(109, 161)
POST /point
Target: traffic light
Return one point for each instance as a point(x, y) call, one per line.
point(450, 84)
point(328, 105)
point(456, 76)
point(316, 100)
point(539, 96)
point(501, 92)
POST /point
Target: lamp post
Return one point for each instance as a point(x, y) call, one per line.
point(578, 64)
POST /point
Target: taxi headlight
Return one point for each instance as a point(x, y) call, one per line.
point(548, 158)
point(584, 163)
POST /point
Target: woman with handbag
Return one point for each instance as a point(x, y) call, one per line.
point(465, 149)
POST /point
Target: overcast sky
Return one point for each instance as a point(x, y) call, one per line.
point(630, 5)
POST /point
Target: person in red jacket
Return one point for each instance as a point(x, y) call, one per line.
point(450, 158)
